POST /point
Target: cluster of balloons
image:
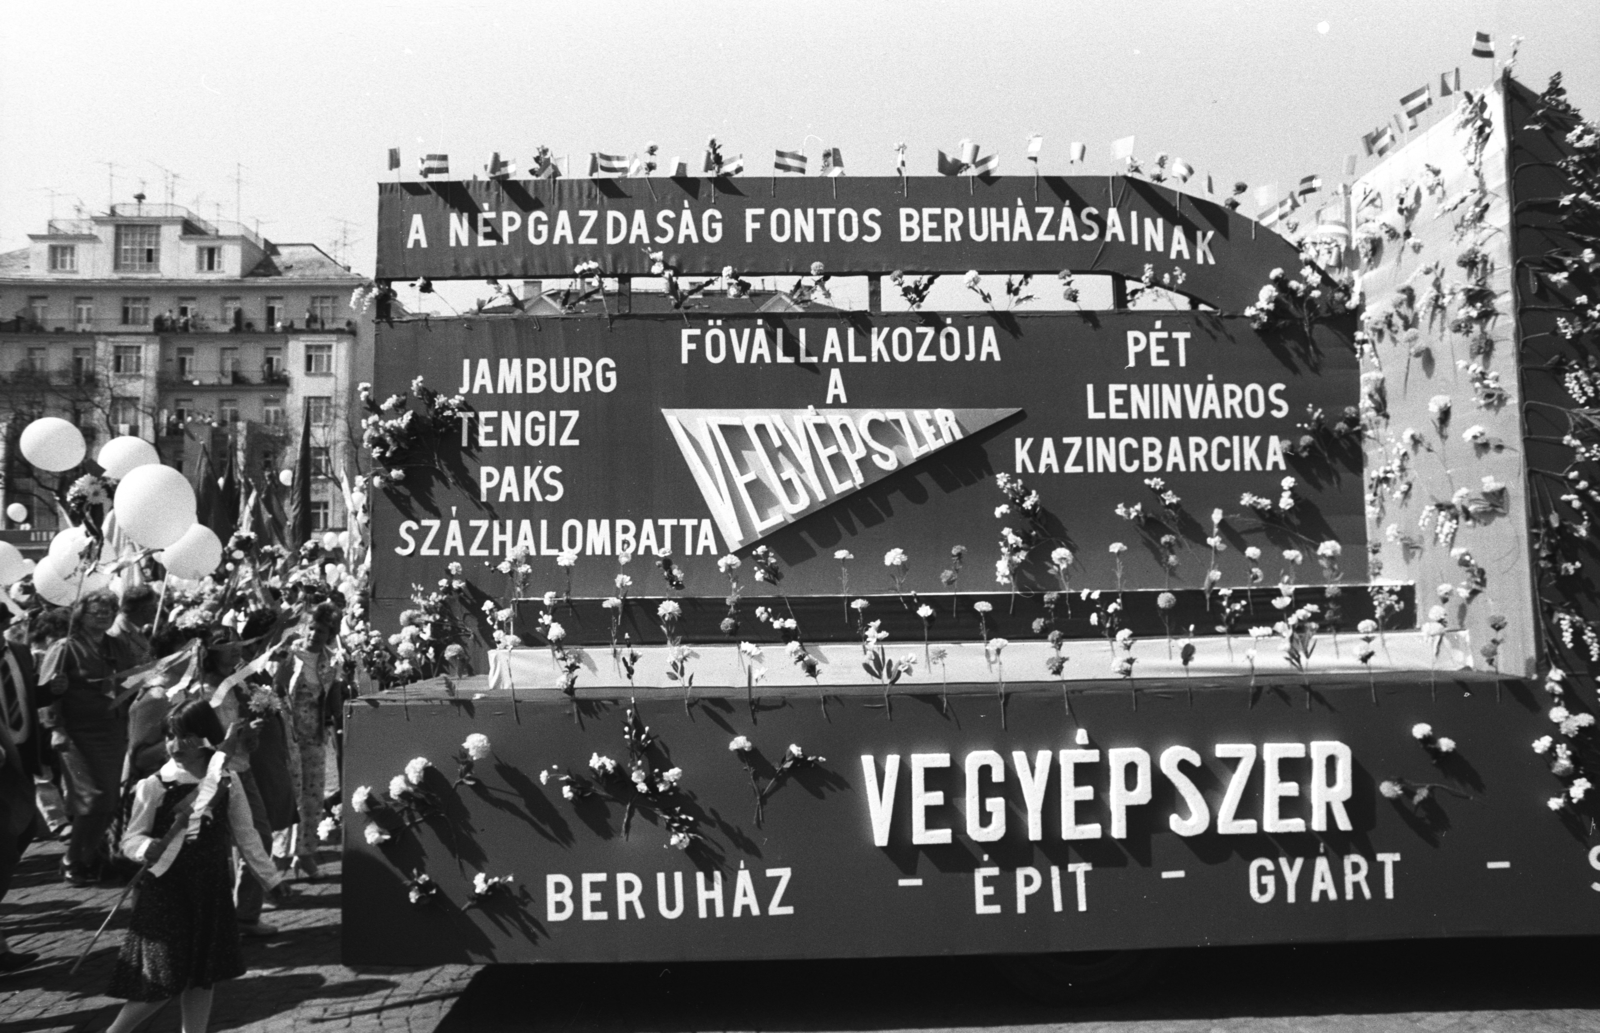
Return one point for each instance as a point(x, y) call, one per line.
point(154, 506)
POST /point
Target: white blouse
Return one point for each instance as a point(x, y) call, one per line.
point(137, 839)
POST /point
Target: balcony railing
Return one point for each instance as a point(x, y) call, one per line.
point(24, 324)
point(27, 375)
point(210, 377)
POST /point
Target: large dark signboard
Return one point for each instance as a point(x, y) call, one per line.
point(815, 433)
point(1179, 823)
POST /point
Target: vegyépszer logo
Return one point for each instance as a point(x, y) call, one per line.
point(760, 469)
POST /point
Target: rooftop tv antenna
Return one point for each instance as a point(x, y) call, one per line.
point(111, 183)
point(171, 180)
point(341, 247)
point(238, 191)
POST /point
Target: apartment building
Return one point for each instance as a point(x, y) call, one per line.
point(197, 336)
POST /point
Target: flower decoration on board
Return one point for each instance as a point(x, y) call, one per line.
point(475, 748)
point(486, 888)
point(397, 436)
point(644, 780)
point(914, 290)
point(1436, 745)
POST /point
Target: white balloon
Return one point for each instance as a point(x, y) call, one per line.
point(52, 444)
point(344, 539)
point(68, 543)
point(17, 512)
point(120, 456)
point(194, 555)
point(286, 477)
point(13, 567)
point(330, 541)
point(60, 582)
point(154, 505)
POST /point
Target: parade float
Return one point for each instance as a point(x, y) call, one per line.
point(731, 626)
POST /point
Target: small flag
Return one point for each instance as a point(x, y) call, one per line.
point(1077, 152)
point(677, 168)
point(900, 158)
point(1449, 84)
point(434, 165)
point(967, 151)
point(732, 167)
point(1416, 102)
point(986, 165)
point(949, 166)
point(606, 164)
point(832, 162)
point(1308, 186)
point(1350, 164)
point(1482, 45)
point(1279, 211)
point(1383, 140)
point(1035, 145)
point(499, 168)
point(1122, 149)
point(1211, 186)
point(789, 161)
point(1266, 195)
point(394, 157)
point(1181, 170)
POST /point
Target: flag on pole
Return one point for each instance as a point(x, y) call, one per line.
point(986, 165)
point(499, 168)
point(1211, 186)
point(601, 164)
point(1266, 195)
point(949, 166)
point(1416, 102)
point(1077, 152)
point(1482, 45)
point(1122, 149)
point(1181, 170)
point(900, 158)
point(1383, 140)
point(679, 168)
point(967, 151)
point(789, 161)
point(1280, 211)
point(1035, 145)
point(1449, 83)
point(1308, 186)
point(434, 165)
point(732, 167)
point(832, 162)
point(394, 157)
point(1350, 164)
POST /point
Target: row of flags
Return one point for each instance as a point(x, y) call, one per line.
point(1382, 139)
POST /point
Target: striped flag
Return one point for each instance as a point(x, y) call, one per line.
point(1181, 170)
point(607, 164)
point(1308, 186)
point(1280, 211)
point(1416, 102)
point(1211, 186)
point(1449, 84)
point(1077, 152)
point(733, 166)
point(1350, 164)
point(1482, 45)
point(1122, 148)
point(1035, 145)
point(1383, 140)
point(434, 165)
point(789, 161)
point(394, 157)
point(986, 165)
point(832, 162)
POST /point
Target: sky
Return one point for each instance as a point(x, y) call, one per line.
point(301, 101)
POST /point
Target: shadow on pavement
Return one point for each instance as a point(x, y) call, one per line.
point(1195, 985)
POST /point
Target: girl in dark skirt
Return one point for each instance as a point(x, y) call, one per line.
point(183, 937)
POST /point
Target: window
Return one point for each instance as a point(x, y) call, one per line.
point(321, 514)
point(232, 313)
point(321, 461)
point(269, 462)
point(38, 308)
point(272, 367)
point(188, 308)
point(228, 410)
point(274, 313)
point(82, 363)
point(83, 312)
point(138, 249)
point(321, 409)
point(182, 409)
point(208, 259)
point(63, 258)
point(125, 412)
point(37, 359)
point(321, 309)
point(185, 363)
point(319, 358)
point(135, 311)
point(230, 363)
point(127, 358)
point(272, 410)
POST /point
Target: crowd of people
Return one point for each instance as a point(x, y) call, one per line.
point(176, 736)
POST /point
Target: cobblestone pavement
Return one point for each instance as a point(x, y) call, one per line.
point(294, 981)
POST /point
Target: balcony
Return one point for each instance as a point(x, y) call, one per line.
point(27, 376)
point(24, 324)
point(266, 376)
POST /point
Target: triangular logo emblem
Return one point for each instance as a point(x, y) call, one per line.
point(760, 469)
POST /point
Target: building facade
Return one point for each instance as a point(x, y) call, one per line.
point(201, 337)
